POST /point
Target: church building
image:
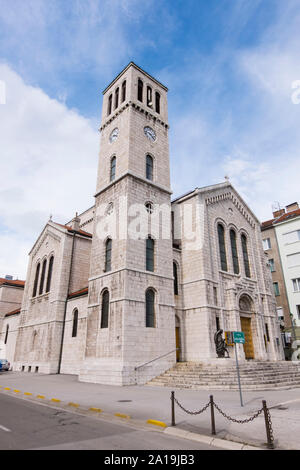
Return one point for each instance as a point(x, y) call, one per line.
point(137, 282)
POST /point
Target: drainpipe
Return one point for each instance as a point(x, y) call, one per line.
point(66, 304)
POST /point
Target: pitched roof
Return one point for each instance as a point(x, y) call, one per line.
point(281, 218)
point(71, 230)
point(78, 293)
point(14, 312)
point(11, 282)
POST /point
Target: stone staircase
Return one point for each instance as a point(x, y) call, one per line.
point(254, 375)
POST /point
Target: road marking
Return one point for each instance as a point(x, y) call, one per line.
point(4, 428)
point(156, 423)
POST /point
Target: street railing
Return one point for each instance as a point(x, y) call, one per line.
point(212, 405)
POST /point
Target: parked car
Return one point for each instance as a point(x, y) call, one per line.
point(4, 364)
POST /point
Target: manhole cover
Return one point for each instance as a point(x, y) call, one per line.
point(124, 401)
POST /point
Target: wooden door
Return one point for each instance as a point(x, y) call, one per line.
point(246, 329)
point(177, 343)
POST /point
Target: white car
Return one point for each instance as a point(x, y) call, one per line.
point(4, 364)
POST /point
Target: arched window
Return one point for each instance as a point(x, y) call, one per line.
point(109, 105)
point(49, 277)
point(140, 90)
point(116, 98)
point(113, 168)
point(157, 102)
point(149, 167)
point(124, 91)
point(245, 255)
point(149, 97)
point(6, 334)
point(149, 254)
point(75, 323)
point(43, 277)
point(235, 258)
point(175, 274)
point(150, 311)
point(105, 309)
point(222, 249)
point(36, 280)
point(108, 247)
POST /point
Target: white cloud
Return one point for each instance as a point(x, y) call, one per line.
point(48, 164)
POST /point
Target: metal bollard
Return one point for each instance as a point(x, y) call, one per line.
point(212, 414)
point(268, 424)
point(173, 408)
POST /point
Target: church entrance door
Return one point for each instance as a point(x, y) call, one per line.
point(246, 329)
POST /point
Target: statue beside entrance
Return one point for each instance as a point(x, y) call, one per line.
point(220, 344)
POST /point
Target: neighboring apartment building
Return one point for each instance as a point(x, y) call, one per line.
point(281, 241)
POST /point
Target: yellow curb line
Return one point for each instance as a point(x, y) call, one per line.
point(97, 410)
point(6, 388)
point(121, 415)
point(157, 423)
point(73, 404)
point(17, 391)
point(56, 400)
point(40, 396)
point(27, 393)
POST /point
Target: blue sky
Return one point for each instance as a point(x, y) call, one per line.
point(229, 66)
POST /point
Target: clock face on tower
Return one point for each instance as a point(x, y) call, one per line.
point(114, 135)
point(150, 133)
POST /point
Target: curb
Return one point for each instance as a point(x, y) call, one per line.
point(208, 440)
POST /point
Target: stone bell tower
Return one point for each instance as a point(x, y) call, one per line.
point(131, 319)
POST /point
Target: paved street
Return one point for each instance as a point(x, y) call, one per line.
point(26, 425)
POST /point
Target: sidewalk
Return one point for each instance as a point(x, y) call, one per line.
point(142, 403)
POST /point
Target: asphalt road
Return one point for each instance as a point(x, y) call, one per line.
point(25, 425)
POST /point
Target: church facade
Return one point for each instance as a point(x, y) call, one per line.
point(137, 282)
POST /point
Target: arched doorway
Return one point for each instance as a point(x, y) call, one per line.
point(246, 311)
point(177, 338)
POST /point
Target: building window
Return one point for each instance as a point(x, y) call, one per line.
point(292, 237)
point(75, 323)
point(235, 258)
point(298, 311)
point(49, 277)
point(6, 334)
point(272, 265)
point(150, 313)
point(149, 97)
point(276, 288)
point(116, 98)
point(124, 91)
point(113, 168)
point(222, 249)
point(149, 207)
point(43, 277)
point(140, 90)
point(109, 105)
point(215, 292)
point(175, 274)
point(157, 102)
point(149, 167)
point(267, 244)
point(36, 280)
point(149, 254)
point(218, 323)
point(296, 284)
point(245, 255)
point(267, 332)
point(108, 248)
point(293, 260)
point(105, 309)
